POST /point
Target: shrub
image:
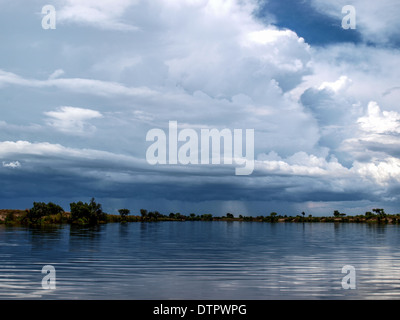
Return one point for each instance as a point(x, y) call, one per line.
point(10, 218)
point(124, 213)
point(41, 209)
point(87, 213)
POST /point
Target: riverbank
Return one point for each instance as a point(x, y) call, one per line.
point(15, 216)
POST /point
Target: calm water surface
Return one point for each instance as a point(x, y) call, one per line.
point(201, 260)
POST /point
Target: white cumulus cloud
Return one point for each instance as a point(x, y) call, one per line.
point(72, 120)
point(12, 164)
point(103, 14)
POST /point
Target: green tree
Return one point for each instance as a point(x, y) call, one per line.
point(193, 217)
point(54, 208)
point(38, 211)
point(157, 215)
point(178, 216)
point(380, 212)
point(207, 217)
point(369, 215)
point(143, 213)
point(124, 213)
point(90, 213)
point(229, 215)
point(336, 213)
point(41, 209)
point(273, 217)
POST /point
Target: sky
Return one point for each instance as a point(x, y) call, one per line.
point(79, 96)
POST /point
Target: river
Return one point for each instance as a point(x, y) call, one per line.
point(201, 260)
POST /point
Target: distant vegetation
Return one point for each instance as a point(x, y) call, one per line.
point(87, 213)
point(91, 213)
point(41, 210)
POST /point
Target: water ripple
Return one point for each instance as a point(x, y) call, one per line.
point(201, 261)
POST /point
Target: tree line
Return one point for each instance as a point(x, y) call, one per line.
point(90, 213)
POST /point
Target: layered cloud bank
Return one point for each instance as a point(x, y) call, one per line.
point(77, 105)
